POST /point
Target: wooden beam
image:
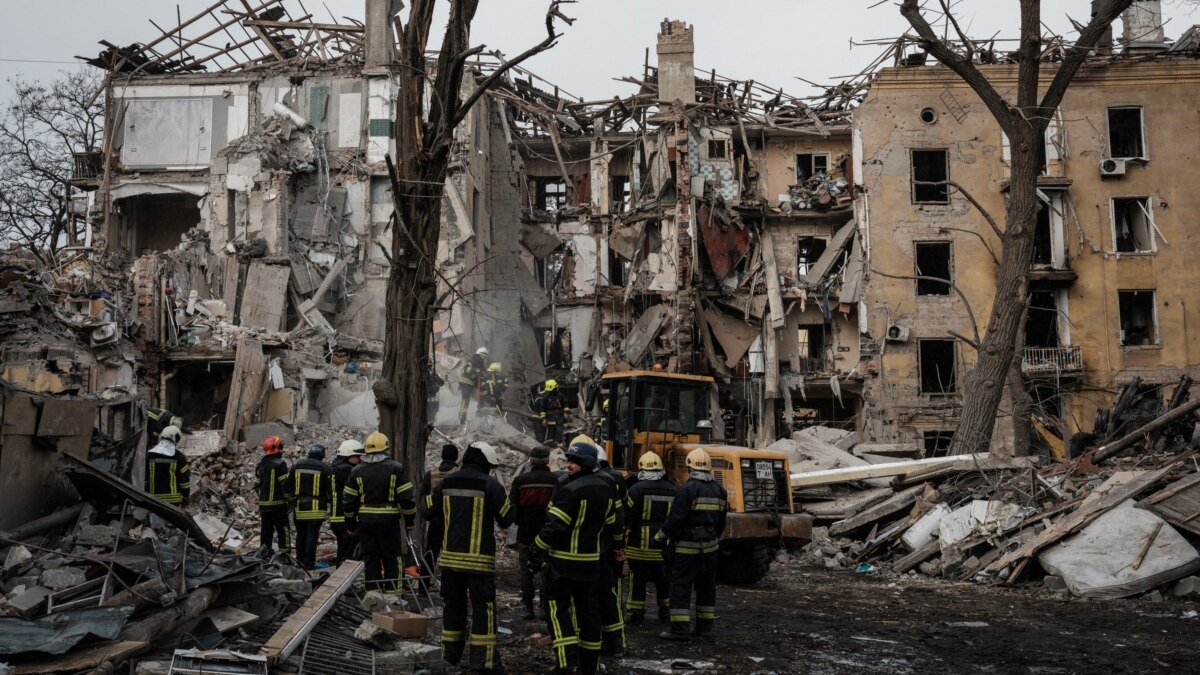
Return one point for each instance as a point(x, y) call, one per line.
point(292, 633)
point(301, 25)
point(1109, 449)
point(983, 461)
point(897, 502)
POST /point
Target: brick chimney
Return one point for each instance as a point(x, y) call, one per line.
point(1144, 27)
point(676, 63)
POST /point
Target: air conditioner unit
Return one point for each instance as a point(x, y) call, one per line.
point(1112, 167)
point(896, 333)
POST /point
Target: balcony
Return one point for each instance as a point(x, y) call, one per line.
point(812, 366)
point(87, 170)
point(1052, 360)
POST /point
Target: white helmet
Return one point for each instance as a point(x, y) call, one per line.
point(171, 433)
point(482, 351)
point(350, 447)
point(489, 453)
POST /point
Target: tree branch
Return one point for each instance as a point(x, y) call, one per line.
point(954, 287)
point(1078, 53)
point(979, 207)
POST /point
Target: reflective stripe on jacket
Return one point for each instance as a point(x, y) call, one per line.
point(469, 503)
point(312, 486)
point(271, 483)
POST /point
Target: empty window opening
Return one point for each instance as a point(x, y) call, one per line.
point(937, 443)
point(199, 392)
point(1041, 238)
point(153, 223)
point(938, 372)
point(1133, 225)
point(930, 177)
point(933, 263)
point(1125, 138)
point(809, 165)
point(718, 149)
point(551, 194)
point(1139, 320)
point(618, 269)
point(1041, 323)
point(808, 250)
point(556, 348)
point(619, 194)
point(811, 347)
point(551, 268)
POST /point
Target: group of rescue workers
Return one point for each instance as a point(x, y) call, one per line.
point(576, 530)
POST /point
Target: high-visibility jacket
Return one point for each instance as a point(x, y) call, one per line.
point(551, 407)
point(379, 493)
point(581, 513)
point(492, 388)
point(472, 370)
point(646, 509)
point(468, 503)
point(168, 475)
point(620, 492)
point(341, 476)
point(530, 497)
point(157, 419)
point(697, 517)
point(312, 486)
point(271, 484)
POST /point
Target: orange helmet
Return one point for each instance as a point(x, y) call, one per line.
point(272, 445)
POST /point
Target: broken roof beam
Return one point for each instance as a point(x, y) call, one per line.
point(184, 46)
point(292, 633)
point(303, 25)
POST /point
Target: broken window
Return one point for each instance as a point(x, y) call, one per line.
point(550, 268)
point(556, 348)
point(1125, 133)
point(1133, 225)
point(1048, 240)
point(551, 193)
point(618, 269)
point(937, 443)
point(811, 343)
point(930, 177)
point(718, 149)
point(150, 223)
point(933, 262)
point(1139, 320)
point(1041, 323)
point(808, 250)
point(809, 165)
point(619, 194)
point(938, 367)
point(1041, 237)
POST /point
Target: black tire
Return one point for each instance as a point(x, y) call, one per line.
point(744, 565)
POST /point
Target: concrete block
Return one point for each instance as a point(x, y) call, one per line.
point(97, 535)
point(406, 657)
point(255, 434)
point(29, 603)
point(1054, 583)
point(289, 586)
point(18, 557)
point(1186, 587)
point(63, 578)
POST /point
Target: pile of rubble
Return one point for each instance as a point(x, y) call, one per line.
point(818, 193)
point(1097, 526)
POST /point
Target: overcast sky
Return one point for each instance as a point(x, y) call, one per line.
point(771, 41)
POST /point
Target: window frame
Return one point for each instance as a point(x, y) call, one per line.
point(1145, 156)
point(954, 383)
point(949, 244)
point(912, 181)
point(1156, 342)
point(812, 164)
point(1148, 208)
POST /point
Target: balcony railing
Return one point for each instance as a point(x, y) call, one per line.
point(1052, 360)
point(811, 366)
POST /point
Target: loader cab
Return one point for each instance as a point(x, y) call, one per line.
point(648, 407)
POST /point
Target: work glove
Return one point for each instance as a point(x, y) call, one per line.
point(536, 563)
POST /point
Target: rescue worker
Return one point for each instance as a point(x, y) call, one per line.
point(646, 510)
point(433, 384)
point(491, 390)
point(612, 564)
point(469, 380)
point(433, 478)
point(273, 490)
point(692, 530)
point(530, 497)
point(378, 495)
point(157, 421)
point(602, 423)
point(552, 410)
point(312, 487)
point(168, 475)
point(535, 404)
point(469, 502)
point(581, 513)
point(349, 454)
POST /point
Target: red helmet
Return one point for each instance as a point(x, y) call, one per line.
point(272, 445)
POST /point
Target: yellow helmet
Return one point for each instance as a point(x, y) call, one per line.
point(495, 368)
point(606, 404)
point(650, 462)
point(551, 385)
point(377, 442)
point(699, 460)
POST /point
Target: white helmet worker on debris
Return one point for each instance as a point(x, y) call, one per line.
point(168, 475)
point(349, 454)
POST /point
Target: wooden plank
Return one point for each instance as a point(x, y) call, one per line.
point(303, 25)
point(917, 557)
point(774, 291)
point(245, 389)
point(265, 299)
point(229, 285)
point(845, 507)
point(982, 461)
point(1178, 503)
point(84, 659)
point(230, 618)
point(292, 633)
point(897, 502)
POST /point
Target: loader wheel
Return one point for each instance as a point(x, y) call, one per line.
point(744, 565)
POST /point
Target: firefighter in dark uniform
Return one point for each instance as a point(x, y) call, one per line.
point(273, 490)
point(468, 381)
point(433, 478)
point(612, 564)
point(157, 420)
point(168, 475)
point(646, 510)
point(552, 410)
point(349, 454)
point(582, 512)
point(468, 502)
point(492, 388)
point(530, 497)
point(693, 530)
point(378, 495)
point(312, 487)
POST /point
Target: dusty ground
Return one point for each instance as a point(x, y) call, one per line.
point(809, 620)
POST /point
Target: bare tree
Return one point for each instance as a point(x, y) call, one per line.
point(424, 141)
point(39, 130)
point(1024, 121)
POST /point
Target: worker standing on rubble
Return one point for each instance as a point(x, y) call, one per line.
point(433, 384)
point(273, 490)
point(469, 381)
point(378, 495)
point(349, 454)
point(552, 410)
point(530, 497)
point(692, 532)
point(491, 390)
point(612, 563)
point(168, 475)
point(312, 487)
point(433, 478)
point(602, 423)
point(469, 502)
point(158, 419)
point(581, 513)
point(646, 510)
